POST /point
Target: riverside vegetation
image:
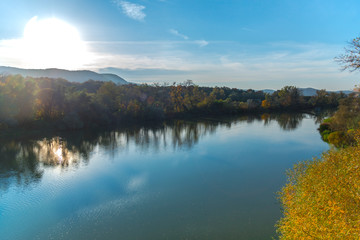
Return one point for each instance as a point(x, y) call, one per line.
point(57, 103)
point(340, 130)
point(322, 197)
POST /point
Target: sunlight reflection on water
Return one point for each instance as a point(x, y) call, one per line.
point(210, 179)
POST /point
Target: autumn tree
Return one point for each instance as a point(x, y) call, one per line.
point(17, 99)
point(50, 103)
point(177, 97)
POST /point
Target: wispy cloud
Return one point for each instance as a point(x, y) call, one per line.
point(178, 34)
point(202, 43)
point(271, 65)
point(132, 10)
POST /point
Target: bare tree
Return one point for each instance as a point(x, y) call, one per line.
point(350, 60)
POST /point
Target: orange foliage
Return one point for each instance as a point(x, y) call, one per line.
point(265, 104)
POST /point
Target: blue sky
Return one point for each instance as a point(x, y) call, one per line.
point(244, 43)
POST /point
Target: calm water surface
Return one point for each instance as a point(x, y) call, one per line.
point(206, 179)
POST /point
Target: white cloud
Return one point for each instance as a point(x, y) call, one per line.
point(202, 43)
point(272, 65)
point(176, 33)
point(132, 10)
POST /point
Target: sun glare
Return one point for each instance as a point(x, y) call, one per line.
point(53, 43)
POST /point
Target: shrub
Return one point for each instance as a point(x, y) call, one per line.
point(322, 197)
point(338, 139)
point(324, 126)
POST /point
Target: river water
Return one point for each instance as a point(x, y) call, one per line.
point(204, 179)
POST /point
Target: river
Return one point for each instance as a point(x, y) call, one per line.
point(213, 178)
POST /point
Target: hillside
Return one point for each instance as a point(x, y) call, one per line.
point(72, 76)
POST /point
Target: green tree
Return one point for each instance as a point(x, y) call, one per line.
point(290, 96)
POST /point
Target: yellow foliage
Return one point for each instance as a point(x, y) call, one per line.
point(322, 198)
point(337, 138)
point(265, 104)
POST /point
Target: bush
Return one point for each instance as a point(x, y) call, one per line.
point(338, 139)
point(322, 197)
point(325, 135)
point(324, 126)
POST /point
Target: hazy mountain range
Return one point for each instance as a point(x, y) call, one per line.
point(72, 76)
point(85, 75)
point(308, 92)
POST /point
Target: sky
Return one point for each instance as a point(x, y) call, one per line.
point(258, 44)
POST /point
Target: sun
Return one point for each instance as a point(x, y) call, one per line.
point(53, 43)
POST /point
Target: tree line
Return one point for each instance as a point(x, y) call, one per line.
point(34, 102)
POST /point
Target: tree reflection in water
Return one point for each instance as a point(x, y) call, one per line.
point(22, 162)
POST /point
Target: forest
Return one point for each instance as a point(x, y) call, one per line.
point(56, 103)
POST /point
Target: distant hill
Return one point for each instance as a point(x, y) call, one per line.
point(308, 92)
point(72, 76)
point(312, 91)
point(269, 91)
